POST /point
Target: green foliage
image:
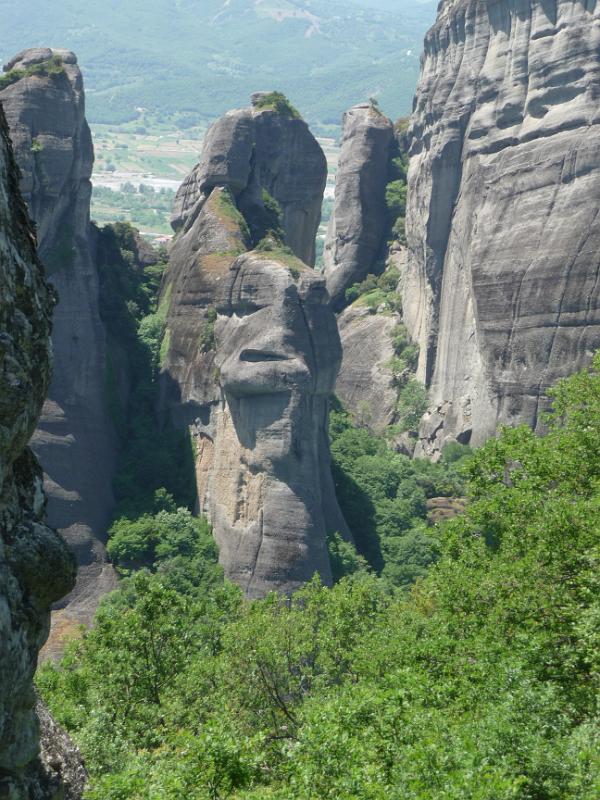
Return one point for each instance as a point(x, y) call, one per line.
point(228, 207)
point(383, 497)
point(53, 66)
point(344, 558)
point(207, 332)
point(153, 455)
point(270, 246)
point(480, 683)
point(278, 102)
point(377, 292)
point(265, 221)
point(396, 190)
point(395, 198)
point(171, 543)
point(411, 405)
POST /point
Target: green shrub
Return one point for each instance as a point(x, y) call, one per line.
point(383, 495)
point(278, 102)
point(411, 405)
point(265, 220)
point(207, 332)
point(482, 682)
point(377, 291)
point(53, 66)
point(344, 558)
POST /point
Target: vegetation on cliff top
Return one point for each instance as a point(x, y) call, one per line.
point(53, 66)
point(277, 101)
point(482, 683)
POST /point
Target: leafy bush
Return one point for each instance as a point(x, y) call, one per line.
point(264, 220)
point(411, 405)
point(344, 558)
point(383, 498)
point(53, 66)
point(172, 543)
point(481, 683)
point(377, 292)
point(207, 332)
point(278, 102)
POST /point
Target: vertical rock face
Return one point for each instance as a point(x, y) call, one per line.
point(258, 150)
point(36, 567)
point(251, 353)
point(44, 105)
point(501, 288)
point(366, 384)
point(355, 236)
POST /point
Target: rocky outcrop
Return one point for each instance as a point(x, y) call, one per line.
point(44, 103)
point(354, 241)
point(256, 150)
point(501, 289)
point(366, 384)
point(250, 357)
point(36, 567)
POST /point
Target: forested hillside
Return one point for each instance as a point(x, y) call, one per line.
point(201, 57)
point(482, 683)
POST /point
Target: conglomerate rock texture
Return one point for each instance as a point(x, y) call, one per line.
point(354, 239)
point(251, 354)
point(257, 149)
point(75, 441)
point(36, 566)
point(502, 288)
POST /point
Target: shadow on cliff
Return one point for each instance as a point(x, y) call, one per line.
point(359, 513)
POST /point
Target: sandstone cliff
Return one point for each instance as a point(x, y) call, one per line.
point(36, 567)
point(251, 351)
point(501, 289)
point(355, 237)
point(44, 103)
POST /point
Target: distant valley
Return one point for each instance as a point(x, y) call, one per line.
point(324, 55)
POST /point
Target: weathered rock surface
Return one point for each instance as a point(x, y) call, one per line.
point(251, 356)
point(74, 440)
point(501, 289)
point(255, 149)
point(366, 384)
point(36, 566)
point(354, 239)
point(278, 353)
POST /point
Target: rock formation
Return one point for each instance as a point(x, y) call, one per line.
point(354, 240)
point(501, 289)
point(44, 103)
point(257, 150)
point(251, 351)
point(36, 567)
point(366, 384)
